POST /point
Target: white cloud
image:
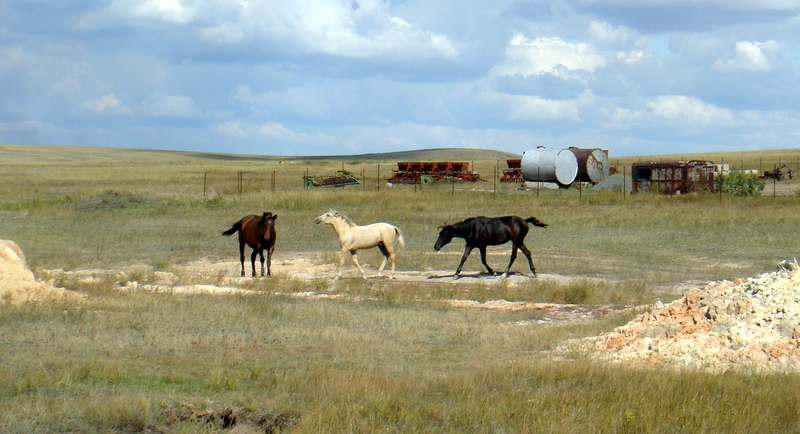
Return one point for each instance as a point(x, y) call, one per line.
point(690, 110)
point(273, 129)
point(357, 29)
point(107, 104)
point(544, 55)
point(525, 107)
point(750, 57)
point(604, 33)
point(269, 130)
point(735, 5)
point(174, 11)
point(174, 106)
point(233, 129)
point(621, 118)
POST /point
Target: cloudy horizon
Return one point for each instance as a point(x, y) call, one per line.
point(322, 77)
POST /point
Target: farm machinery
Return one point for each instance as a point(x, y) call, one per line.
point(338, 179)
point(513, 173)
point(427, 173)
point(779, 173)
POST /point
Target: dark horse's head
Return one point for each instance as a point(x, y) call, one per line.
point(267, 224)
point(445, 236)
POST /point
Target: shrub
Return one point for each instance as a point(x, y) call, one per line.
point(739, 184)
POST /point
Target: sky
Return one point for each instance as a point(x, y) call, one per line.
point(341, 77)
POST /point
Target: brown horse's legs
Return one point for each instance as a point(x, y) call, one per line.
point(269, 260)
point(527, 254)
point(241, 256)
point(467, 251)
point(261, 256)
point(253, 260)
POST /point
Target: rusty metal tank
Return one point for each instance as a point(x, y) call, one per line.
point(593, 164)
point(550, 165)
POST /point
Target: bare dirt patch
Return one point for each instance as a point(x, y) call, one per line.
point(218, 416)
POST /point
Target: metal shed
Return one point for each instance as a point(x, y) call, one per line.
point(673, 177)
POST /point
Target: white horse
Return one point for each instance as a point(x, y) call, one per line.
point(353, 238)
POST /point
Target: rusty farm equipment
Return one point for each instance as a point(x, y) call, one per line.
point(673, 177)
point(513, 173)
point(338, 179)
point(430, 172)
point(779, 173)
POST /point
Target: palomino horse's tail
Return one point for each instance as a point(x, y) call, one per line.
point(236, 226)
point(536, 222)
point(400, 238)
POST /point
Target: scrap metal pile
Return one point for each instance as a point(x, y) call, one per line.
point(338, 179)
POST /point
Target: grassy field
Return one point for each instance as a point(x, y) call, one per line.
point(392, 360)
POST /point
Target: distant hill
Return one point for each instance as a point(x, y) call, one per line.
point(58, 154)
point(443, 154)
point(52, 153)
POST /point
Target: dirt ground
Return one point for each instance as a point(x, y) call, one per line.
point(781, 188)
point(224, 278)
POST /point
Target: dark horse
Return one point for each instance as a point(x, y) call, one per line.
point(258, 233)
point(490, 231)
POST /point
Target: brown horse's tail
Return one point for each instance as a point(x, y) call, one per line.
point(236, 226)
point(536, 222)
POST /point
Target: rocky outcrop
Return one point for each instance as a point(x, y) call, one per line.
point(17, 282)
point(749, 323)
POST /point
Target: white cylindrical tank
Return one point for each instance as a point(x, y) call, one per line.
point(549, 165)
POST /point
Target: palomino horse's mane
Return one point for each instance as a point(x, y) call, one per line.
point(346, 219)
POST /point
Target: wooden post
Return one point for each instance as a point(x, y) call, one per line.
point(495, 180)
point(205, 179)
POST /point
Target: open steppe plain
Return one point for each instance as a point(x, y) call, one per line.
point(166, 337)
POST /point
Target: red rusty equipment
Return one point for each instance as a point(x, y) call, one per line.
point(513, 173)
point(428, 172)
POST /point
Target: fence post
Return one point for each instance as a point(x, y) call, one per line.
point(205, 176)
point(625, 180)
point(495, 179)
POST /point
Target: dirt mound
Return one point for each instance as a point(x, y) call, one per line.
point(17, 283)
point(217, 416)
point(749, 323)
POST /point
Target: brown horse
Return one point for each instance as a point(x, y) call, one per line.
point(258, 233)
point(487, 231)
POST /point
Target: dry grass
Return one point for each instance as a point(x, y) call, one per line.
point(390, 356)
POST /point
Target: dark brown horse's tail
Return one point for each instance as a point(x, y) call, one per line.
point(536, 222)
point(236, 226)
